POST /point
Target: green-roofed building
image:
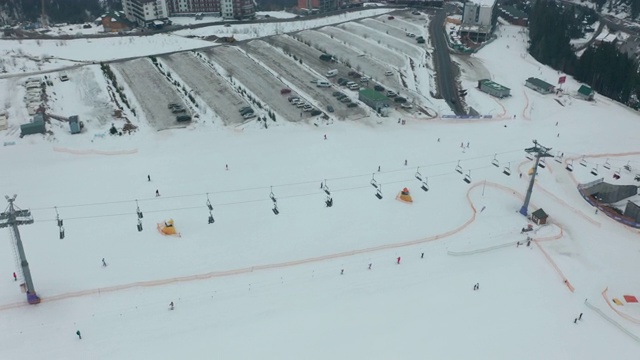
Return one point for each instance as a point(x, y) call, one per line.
point(540, 86)
point(374, 99)
point(585, 93)
point(493, 88)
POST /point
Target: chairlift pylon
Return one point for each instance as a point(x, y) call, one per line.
point(418, 175)
point(459, 168)
point(507, 169)
point(425, 184)
point(467, 178)
point(379, 192)
point(594, 171)
point(569, 166)
point(374, 183)
point(606, 164)
point(583, 162)
point(495, 161)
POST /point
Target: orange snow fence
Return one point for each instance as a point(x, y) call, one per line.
point(404, 196)
point(630, 299)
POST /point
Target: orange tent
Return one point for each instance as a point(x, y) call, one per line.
point(404, 196)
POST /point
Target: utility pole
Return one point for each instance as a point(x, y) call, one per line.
point(540, 152)
point(44, 16)
point(11, 218)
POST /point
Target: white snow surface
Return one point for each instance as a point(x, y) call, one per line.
point(257, 285)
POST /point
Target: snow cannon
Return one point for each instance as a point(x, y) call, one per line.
point(404, 196)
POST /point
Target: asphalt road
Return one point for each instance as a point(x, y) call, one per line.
point(445, 73)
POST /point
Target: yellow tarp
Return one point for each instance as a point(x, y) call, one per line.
point(618, 302)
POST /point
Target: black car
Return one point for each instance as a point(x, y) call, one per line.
point(315, 112)
point(183, 118)
point(378, 88)
point(330, 108)
point(336, 93)
point(400, 99)
point(352, 105)
point(246, 110)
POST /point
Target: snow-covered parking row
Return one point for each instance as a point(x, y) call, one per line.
point(399, 35)
point(385, 55)
point(256, 79)
point(208, 86)
point(369, 66)
point(300, 78)
point(151, 90)
point(408, 22)
point(383, 39)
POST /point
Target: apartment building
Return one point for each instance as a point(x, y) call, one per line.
point(228, 9)
point(145, 12)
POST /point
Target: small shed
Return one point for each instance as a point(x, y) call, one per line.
point(4, 124)
point(585, 93)
point(34, 127)
point(493, 88)
point(75, 125)
point(539, 217)
point(374, 99)
point(540, 86)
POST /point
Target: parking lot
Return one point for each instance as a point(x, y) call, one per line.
point(368, 66)
point(383, 40)
point(366, 46)
point(208, 86)
point(256, 79)
point(401, 41)
point(151, 90)
point(300, 78)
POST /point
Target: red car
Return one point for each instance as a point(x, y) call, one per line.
point(285, 91)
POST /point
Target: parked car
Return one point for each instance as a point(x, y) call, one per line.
point(315, 112)
point(172, 105)
point(336, 93)
point(291, 98)
point(378, 88)
point(342, 81)
point(249, 115)
point(354, 87)
point(352, 105)
point(391, 93)
point(246, 111)
point(307, 108)
point(341, 96)
point(345, 100)
point(330, 108)
point(178, 109)
point(388, 73)
point(301, 104)
point(416, 13)
point(183, 118)
point(390, 18)
point(285, 91)
point(406, 106)
point(400, 99)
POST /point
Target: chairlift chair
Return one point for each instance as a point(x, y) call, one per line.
point(495, 161)
point(507, 169)
point(594, 171)
point(329, 201)
point(458, 167)
point(425, 185)
point(467, 178)
point(418, 175)
point(139, 225)
point(211, 220)
point(583, 162)
point(558, 158)
point(326, 188)
point(272, 196)
point(606, 164)
point(275, 208)
point(529, 156)
point(627, 167)
point(61, 233)
point(379, 192)
point(542, 164)
point(374, 183)
point(616, 175)
point(569, 166)
point(637, 177)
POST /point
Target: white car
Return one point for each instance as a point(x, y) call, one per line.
point(406, 106)
point(354, 87)
point(388, 73)
point(391, 93)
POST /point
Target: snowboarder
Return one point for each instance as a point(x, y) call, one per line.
point(575, 321)
point(15, 277)
point(520, 175)
point(320, 184)
point(341, 271)
point(580, 317)
point(369, 266)
point(528, 242)
point(477, 286)
point(104, 263)
point(438, 139)
point(148, 177)
point(226, 166)
point(422, 256)
point(596, 211)
point(398, 260)
point(462, 145)
point(518, 244)
point(79, 335)
point(556, 123)
point(405, 162)
point(157, 193)
point(484, 207)
point(467, 144)
point(378, 168)
point(171, 305)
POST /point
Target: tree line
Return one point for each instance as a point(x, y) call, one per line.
point(57, 11)
point(607, 70)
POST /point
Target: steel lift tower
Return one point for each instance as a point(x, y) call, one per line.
point(538, 151)
point(12, 218)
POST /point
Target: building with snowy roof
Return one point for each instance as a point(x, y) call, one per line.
point(478, 12)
